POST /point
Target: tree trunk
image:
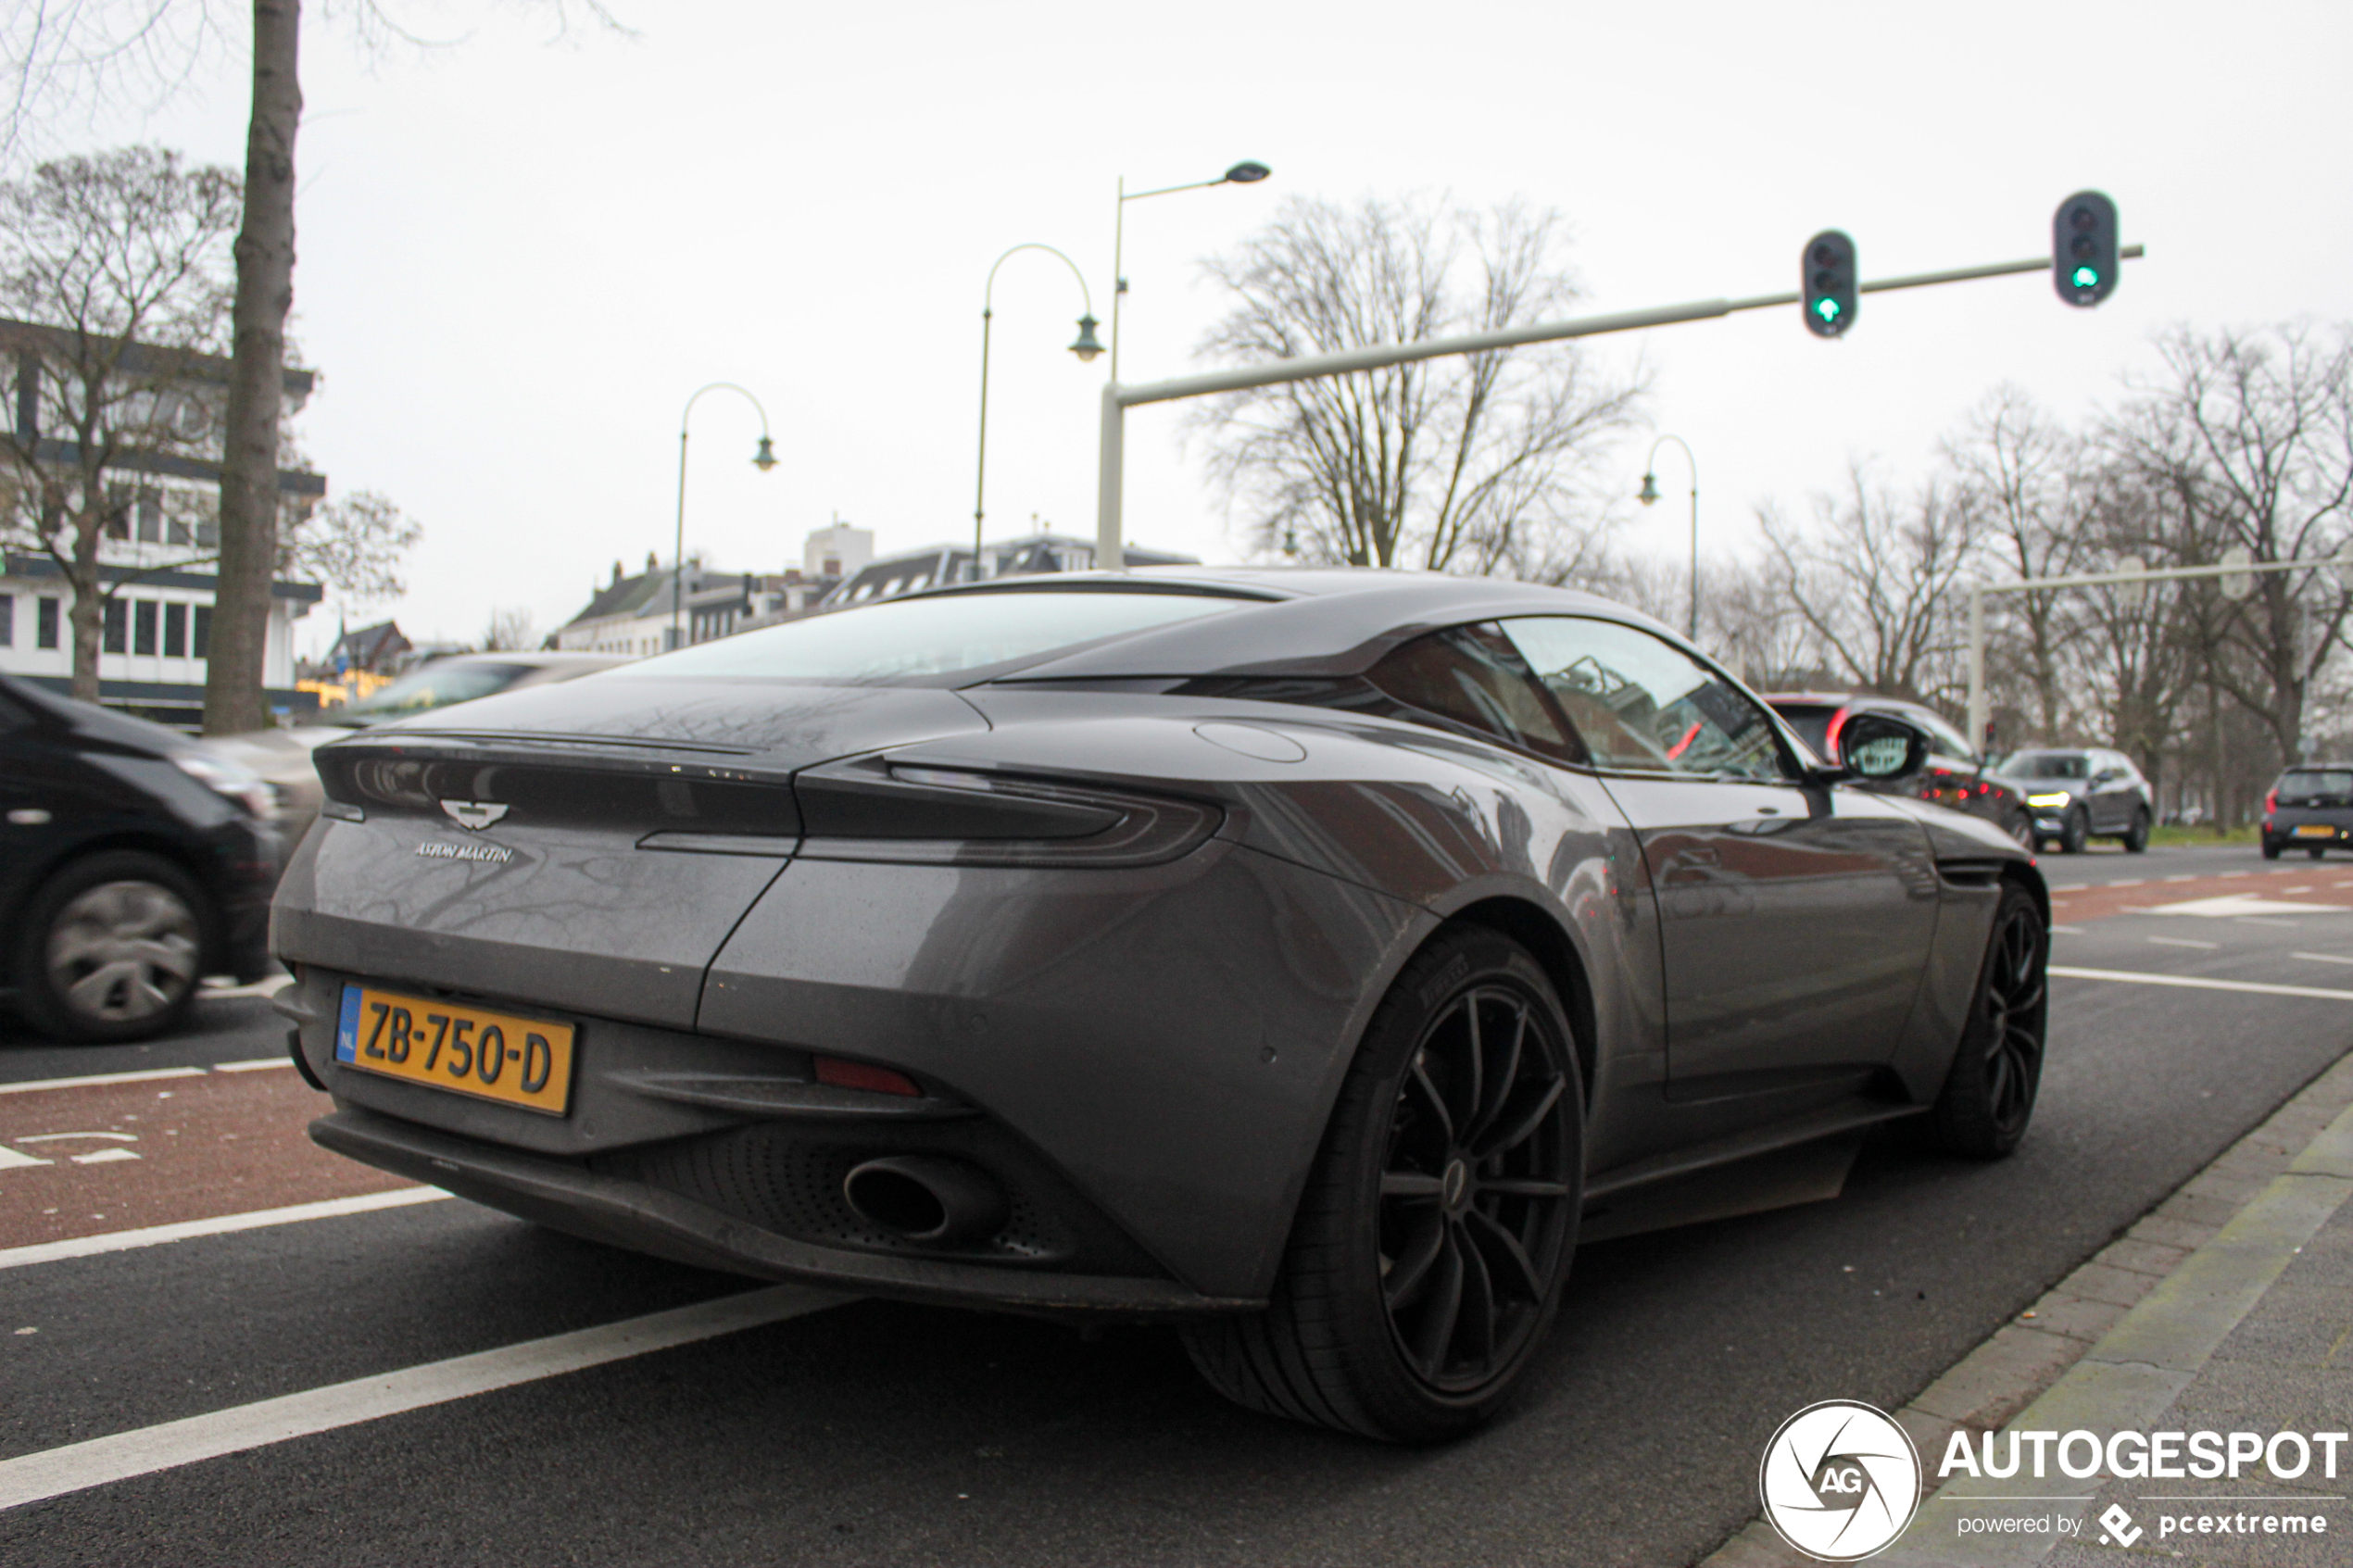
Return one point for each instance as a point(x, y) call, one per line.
point(265, 252)
point(88, 614)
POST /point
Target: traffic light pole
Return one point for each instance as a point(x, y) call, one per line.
point(1978, 714)
point(1110, 541)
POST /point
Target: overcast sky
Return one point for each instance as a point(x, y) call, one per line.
point(517, 260)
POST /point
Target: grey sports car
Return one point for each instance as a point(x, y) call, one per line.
point(1292, 955)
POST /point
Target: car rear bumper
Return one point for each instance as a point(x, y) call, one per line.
point(619, 1206)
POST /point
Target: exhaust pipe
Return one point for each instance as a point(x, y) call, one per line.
point(924, 1197)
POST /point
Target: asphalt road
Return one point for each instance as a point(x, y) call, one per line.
point(877, 1433)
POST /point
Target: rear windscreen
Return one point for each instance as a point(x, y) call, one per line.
point(907, 639)
point(2046, 765)
point(2303, 782)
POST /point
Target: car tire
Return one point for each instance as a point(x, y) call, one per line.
point(1470, 1051)
point(1989, 1091)
point(2136, 837)
point(112, 948)
point(2075, 833)
point(2316, 854)
point(2270, 851)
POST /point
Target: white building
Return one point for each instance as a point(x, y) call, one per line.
point(157, 630)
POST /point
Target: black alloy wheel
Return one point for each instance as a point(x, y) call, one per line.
point(2270, 851)
point(2136, 837)
point(2075, 833)
point(1432, 1243)
point(2020, 826)
point(1989, 1091)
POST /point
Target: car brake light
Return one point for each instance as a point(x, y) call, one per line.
point(2271, 802)
point(841, 1074)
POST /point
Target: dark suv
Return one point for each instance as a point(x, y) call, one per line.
point(1955, 775)
point(2310, 808)
point(2082, 793)
point(133, 862)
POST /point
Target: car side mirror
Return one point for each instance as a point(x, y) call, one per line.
point(1874, 745)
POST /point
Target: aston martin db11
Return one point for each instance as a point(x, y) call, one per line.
point(1293, 956)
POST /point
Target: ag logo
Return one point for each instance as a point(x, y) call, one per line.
point(474, 814)
point(1839, 1480)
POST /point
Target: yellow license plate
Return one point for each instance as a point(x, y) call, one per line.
point(458, 1046)
point(2309, 830)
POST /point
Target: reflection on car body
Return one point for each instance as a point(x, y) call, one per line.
point(1292, 954)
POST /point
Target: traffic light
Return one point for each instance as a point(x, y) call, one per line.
point(1829, 268)
point(2084, 248)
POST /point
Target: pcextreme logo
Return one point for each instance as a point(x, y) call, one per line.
point(1839, 1480)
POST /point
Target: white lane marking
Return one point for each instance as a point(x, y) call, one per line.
point(2230, 904)
point(103, 1157)
point(2282, 924)
point(10, 1160)
point(53, 1138)
point(2322, 958)
point(2070, 930)
point(2305, 888)
point(94, 1079)
point(2187, 877)
point(266, 987)
point(2182, 942)
point(2341, 884)
point(2127, 881)
point(256, 1066)
point(2250, 986)
point(219, 1225)
point(77, 1466)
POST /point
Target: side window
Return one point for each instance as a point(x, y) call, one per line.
point(1472, 675)
point(1639, 703)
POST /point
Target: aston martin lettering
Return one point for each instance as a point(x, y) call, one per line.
point(496, 855)
point(474, 815)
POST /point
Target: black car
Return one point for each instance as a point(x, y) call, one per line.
point(2309, 807)
point(2082, 793)
point(133, 862)
point(1955, 775)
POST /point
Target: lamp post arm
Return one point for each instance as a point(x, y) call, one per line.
point(1650, 465)
point(987, 316)
point(678, 543)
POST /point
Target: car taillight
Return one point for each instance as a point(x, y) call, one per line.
point(871, 811)
point(2271, 802)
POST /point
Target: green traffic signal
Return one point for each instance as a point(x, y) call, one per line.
point(1830, 286)
point(2084, 252)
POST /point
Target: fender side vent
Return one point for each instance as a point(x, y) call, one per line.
point(1969, 874)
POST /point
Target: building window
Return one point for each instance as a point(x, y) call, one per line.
point(200, 642)
point(148, 509)
point(113, 638)
point(7, 620)
point(143, 627)
point(45, 621)
point(175, 631)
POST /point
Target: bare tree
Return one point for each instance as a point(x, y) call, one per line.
point(356, 546)
point(1473, 464)
point(117, 264)
point(73, 52)
point(1873, 581)
point(511, 630)
point(2250, 435)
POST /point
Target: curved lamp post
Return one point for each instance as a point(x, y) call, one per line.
point(1243, 173)
point(1086, 348)
point(1649, 493)
point(763, 459)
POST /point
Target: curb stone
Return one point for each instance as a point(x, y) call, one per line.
point(2196, 1290)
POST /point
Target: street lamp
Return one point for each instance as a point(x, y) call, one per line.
point(763, 459)
point(1649, 493)
point(1085, 347)
point(1243, 173)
